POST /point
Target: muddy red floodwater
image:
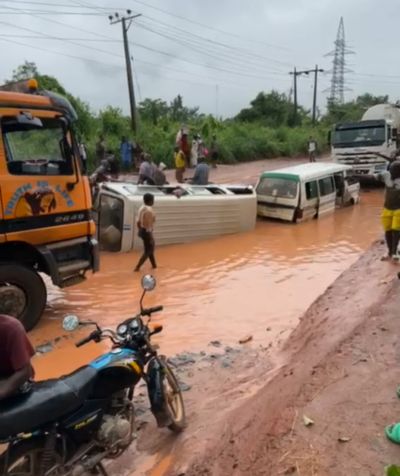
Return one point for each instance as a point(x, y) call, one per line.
point(222, 288)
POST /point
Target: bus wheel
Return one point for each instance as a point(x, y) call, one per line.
point(22, 294)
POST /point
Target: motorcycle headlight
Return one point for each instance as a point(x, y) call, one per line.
point(121, 330)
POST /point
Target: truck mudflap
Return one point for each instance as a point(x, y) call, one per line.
point(68, 261)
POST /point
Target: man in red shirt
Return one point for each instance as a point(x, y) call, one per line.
point(15, 356)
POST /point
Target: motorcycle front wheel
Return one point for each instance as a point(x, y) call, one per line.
point(173, 399)
point(25, 459)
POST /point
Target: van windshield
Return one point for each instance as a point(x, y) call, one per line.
point(277, 187)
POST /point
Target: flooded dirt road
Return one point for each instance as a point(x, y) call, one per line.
point(256, 283)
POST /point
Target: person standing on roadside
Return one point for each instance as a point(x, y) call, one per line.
point(100, 150)
point(194, 151)
point(16, 371)
point(125, 150)
point(391, 210)
point(145, 224)
point(180, 164)
point(312, 148)
point(214, 152)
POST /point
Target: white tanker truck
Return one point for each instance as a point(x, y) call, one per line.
point(370, 144)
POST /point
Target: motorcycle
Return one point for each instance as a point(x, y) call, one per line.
point(69, 426)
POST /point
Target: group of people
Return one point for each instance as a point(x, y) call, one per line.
point(194, 156)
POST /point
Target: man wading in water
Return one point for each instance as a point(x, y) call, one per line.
point(145, 225)
point(391, 210)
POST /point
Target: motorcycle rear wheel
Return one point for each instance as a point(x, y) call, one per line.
point(24, 459)
point(173, 400)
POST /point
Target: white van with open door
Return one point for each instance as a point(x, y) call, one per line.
point(306, 191)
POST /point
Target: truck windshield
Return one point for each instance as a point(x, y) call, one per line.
point(359, 136)
point(37, 151)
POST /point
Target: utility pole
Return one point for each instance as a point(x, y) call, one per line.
point(125, 27)
point(295, 73)
point(314, 108)
point(306, 72)
point(216, 101)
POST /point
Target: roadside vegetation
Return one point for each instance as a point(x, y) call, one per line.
point(265, 129)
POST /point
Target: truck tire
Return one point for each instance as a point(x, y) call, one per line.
point(25, 292)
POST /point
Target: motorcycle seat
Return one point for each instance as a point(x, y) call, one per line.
point(47, 401)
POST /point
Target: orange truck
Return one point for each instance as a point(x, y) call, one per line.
point(45, 202)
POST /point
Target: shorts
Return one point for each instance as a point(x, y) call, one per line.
point(390, 219)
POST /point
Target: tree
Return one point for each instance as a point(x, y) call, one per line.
point(272, 109)
point(352, 110)
point(180, 113)
point(153, 110)
point(24, 71)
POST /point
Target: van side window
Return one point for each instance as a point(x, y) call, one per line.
point(326, 186)
point(311, 190)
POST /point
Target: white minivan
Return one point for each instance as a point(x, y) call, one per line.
point(306, 191)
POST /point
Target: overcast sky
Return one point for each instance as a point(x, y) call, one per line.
point(218, 54)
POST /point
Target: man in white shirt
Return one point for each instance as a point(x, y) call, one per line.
point(312, 148)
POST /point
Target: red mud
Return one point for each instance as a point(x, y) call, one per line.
point(246, 419)
point(340, 368)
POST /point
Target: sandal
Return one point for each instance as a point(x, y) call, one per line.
point(393, 433)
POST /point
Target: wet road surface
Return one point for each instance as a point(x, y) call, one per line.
point(256, 283)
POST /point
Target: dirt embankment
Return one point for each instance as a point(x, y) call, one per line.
point(339, 367)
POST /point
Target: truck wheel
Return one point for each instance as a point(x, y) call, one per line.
point(23, 293)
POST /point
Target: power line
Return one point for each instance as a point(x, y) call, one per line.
point(203, 25)
point(44, 35)
point(238, 62)
point(90, 60)
point(213, 43)
point(170, 55)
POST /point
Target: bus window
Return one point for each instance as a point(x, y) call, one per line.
point(311, 190)
point(326, 186)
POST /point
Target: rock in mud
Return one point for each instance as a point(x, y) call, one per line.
point(184, 386)
point(226, 363)
point(231, 350)
point(186, 358)
point(245, 339)
point(44, 348)
point(215, 343)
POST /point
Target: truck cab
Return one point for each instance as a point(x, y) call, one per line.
point(45, 201)
point(370, 144)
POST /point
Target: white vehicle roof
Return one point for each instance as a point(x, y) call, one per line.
point(307, 171)
point(129, 189)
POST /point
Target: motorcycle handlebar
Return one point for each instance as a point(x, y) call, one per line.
point(151, 310)
point(95, 335)
point(83, 341)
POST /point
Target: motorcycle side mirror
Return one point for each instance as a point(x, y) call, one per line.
point(148, 282)
point(70, 323)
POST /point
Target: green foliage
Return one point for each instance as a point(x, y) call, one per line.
point(392, 470)
point(259, 131)
point(24, 71)
point(352, 110)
